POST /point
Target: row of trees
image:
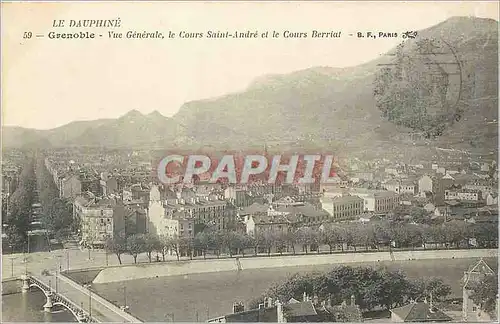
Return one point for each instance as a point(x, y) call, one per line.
point(57, 213)
point(355, 236)
point(147, 243)
point(371, 288)
point(20, 206)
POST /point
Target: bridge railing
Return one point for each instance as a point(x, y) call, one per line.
point(63, 300)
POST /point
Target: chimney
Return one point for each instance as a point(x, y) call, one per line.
point(279, 311)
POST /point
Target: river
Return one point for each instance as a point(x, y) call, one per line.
point(206, 295)
point(197, 297)
point(29, 308)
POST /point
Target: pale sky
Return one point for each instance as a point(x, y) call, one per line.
point(48, 83)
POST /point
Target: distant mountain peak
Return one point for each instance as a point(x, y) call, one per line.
point(155, 114)
point(134, 113)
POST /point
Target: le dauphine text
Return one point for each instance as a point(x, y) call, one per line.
point(89, 29)
point(113, 29)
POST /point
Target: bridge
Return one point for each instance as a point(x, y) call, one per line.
point(79, 301)
point(56, 299)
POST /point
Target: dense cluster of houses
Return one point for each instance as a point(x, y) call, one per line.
point(116, 194)
point(293, 311)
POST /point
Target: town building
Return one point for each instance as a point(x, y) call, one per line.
point(238, 196)
point(179, 226)
point(69, 186)
point(470, 311)
point(421, 312)
point(281, 218)
point(176, 224)
point(378, 201)
point(210, 210)
point(443, 212)
point(344, 208)
point(129, 219)
point(485, 167)
point(293, 311)
point(109, 184)
point(383, 201)
point(278, 223)
point(407, 187)
point(91, 183)
point(440, 184)
point(95, 217)
point(392, 185)
point(492, 199)
point(136, 192)
point(463, 194)
point(478, 184)
point(441, 170)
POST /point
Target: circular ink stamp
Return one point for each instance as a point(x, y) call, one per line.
point(421, 87)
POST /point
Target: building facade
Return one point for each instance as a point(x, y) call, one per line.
point(69, 186)
point(96, 219)
point(344, 208)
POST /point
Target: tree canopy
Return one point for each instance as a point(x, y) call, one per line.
point(370, 287)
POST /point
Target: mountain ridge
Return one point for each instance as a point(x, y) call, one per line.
point(323, 106)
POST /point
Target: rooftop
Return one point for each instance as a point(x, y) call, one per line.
point(421, 312)
point(345, 199)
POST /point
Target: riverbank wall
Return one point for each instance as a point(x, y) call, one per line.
point(11, 286)
point(163, 269)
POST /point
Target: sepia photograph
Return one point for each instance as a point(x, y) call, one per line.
point(249, 161)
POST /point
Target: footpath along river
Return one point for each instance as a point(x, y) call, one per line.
point(197, 297)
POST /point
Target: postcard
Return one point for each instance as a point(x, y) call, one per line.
point(249, 161)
